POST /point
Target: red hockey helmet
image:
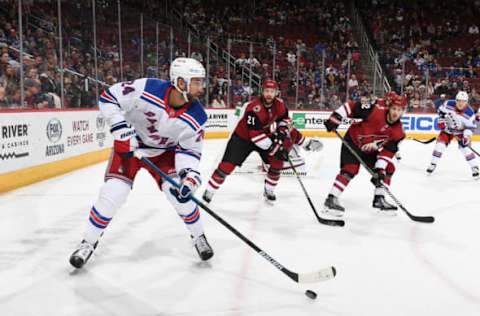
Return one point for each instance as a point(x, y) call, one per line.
point(390, 96)
point(400, 101)
point(270, 84)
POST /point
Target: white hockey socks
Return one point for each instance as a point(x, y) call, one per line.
point(437, 152)
point(112, 195)
point(469, 156)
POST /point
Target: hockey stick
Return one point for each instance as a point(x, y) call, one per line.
point(476, 152)
point(423, 141)
point(422, 219)
point(331, 222)
point(312, 277)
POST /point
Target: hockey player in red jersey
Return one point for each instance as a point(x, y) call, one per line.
point(265, 128)
point(375, 139)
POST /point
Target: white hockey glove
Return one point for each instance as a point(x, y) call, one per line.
point(125, 141)
point(190, 181)
point(313, 144)
point(370, 147)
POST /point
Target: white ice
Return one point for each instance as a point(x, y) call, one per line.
point(145, 264)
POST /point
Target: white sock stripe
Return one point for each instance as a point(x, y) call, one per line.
point(272, 183)
point(259, 137)
point(341, 185)
point(387, 159)
point(214, 184)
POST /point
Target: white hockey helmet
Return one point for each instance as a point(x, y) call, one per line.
point(185, 68)
point(462, 96)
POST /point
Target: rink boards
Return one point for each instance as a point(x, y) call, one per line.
point(36, 145)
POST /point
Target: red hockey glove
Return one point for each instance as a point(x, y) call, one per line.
point(333, 121)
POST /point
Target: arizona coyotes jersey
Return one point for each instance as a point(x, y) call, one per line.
point(456, 121)
point(258, 122)
point(373, 127)
point(143, 105)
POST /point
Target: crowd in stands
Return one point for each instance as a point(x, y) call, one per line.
point(322, 39)
point(425, 56)
point(316, 34)
point(429, 48)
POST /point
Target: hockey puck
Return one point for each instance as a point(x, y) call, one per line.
point(311, 294)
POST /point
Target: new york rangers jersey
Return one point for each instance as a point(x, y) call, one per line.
point(143, 105)
point(456, 121)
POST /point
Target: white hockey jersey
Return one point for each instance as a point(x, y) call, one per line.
point(143, 105)
point(456, 122)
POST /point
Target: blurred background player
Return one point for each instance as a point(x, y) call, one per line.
point(161, 120)
point(375, 139)
point(456, 120)
point(265, 128)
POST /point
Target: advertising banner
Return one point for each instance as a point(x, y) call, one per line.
point(34, 138)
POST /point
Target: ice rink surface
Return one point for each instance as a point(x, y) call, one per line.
point(145, 264)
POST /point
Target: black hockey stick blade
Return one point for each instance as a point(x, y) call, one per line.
point(416, 218)
point(420, 219)
point(324, 221)
point(424, 141)
point(311, 277)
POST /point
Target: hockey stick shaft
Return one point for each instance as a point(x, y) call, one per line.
point(425, 142)
point(474, 151)
point(331, 222)
point(422, 219)
point(321, 275)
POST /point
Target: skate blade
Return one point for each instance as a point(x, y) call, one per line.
point(333, 213)
point(385, 213)
point(269, 202)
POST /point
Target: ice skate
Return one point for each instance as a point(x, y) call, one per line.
point(203, 247)
point(81, 255)
point(333, 207)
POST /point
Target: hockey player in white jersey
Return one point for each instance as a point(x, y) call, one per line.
point(456, 120)
point(163, 121)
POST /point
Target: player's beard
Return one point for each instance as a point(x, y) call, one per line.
point(266, 102)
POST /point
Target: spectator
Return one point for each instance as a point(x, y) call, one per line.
point(218, 102)
point(473, 29)
point(4, 103)
point(33, 97)
point(352, 82)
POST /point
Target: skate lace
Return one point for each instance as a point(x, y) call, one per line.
point(201, 243)
point(208, 194)
point(84, 249)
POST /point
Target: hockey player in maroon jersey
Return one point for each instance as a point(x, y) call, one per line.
point(265, 128)
point(375, 139)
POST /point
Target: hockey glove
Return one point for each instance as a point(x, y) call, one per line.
point(378, 177)
point(333, 121)
point(441, 123)
point(313, 144)
point(190, 181)
point(125, 142)
point(370, 147)
point(280, 134)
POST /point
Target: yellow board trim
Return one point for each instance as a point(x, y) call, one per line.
point(19, 178)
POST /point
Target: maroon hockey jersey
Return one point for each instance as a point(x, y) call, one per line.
point(259, 122)
point(373, 128)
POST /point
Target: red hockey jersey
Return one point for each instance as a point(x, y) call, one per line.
point(258, 122)
point(373, 128)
